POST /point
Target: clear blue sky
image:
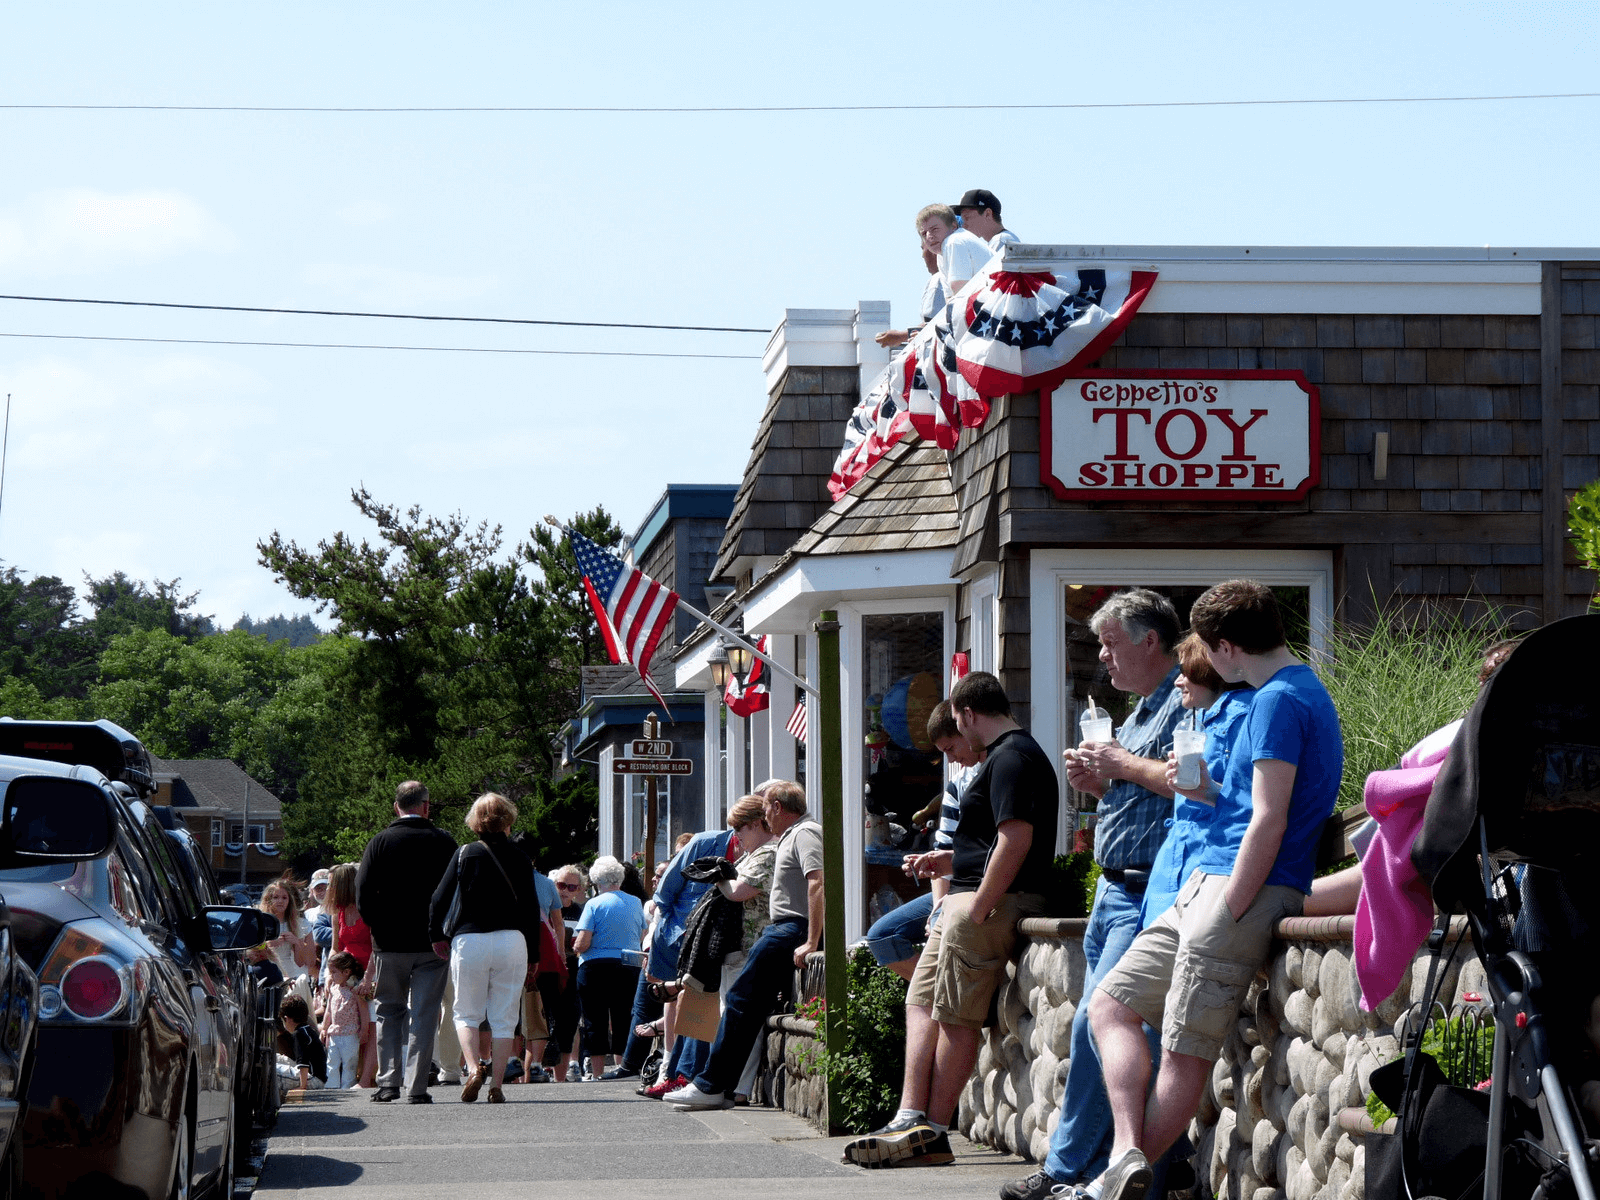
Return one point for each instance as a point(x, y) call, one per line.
point(172, 460)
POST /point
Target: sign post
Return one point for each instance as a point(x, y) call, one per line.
point(651, 728)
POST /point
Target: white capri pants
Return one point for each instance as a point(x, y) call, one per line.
point(486, 970)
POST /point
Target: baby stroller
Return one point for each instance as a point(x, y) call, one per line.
point(1511, 838)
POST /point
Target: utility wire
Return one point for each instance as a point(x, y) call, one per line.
point(84, 337)
point(785, 108)
point(330, 312)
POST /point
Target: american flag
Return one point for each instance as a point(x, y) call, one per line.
point(632, 609)
point(754, 696)
point(797, 721)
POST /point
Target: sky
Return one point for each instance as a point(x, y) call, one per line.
point(169, 460)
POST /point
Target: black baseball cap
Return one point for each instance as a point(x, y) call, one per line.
point(979, 198)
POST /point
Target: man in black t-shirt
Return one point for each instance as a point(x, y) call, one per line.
point(1004, 843)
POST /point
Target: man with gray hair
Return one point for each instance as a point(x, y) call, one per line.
point(795, 906)
point(1138, 631)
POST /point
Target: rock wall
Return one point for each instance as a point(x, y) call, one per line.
point(1283, 1116)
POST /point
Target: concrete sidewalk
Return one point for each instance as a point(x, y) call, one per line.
point(590, 1141)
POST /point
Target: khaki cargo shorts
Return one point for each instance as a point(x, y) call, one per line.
point(1188, 973)
point(962, 964)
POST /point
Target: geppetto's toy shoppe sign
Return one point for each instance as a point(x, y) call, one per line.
point(1193, 435)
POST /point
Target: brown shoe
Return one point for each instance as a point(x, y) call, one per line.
point(496, 1096)
point(474, 1085)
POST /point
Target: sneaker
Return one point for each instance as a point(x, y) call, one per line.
point(690, 1097)
point(537, 1074)
point(1128, 1178)
point(386, 1095)
point(619, 1073)
point(657, 1090)
point(574, 1072)
point(898, 1142)
point(1037, 1186)
point(513, 1070)
point(451, 1080)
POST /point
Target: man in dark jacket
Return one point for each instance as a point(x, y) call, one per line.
point(394, 886)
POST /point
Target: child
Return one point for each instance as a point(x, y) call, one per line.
point(307, 1066)
point(345, 1024)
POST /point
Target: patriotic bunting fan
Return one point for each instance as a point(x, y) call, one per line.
point(754, 696)
point(1018, 332)
point(876, 424)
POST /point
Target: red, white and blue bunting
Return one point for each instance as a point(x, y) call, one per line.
point(1006, 332)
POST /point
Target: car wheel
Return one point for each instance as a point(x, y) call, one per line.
point(182, 1162)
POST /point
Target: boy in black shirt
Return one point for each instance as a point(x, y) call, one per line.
point(1003, 847)
point(310, 1065)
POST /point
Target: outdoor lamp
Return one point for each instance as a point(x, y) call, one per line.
point(740, 660)
point(719, 668)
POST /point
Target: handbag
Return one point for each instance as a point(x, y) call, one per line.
point(550, 951)
point(452, 916)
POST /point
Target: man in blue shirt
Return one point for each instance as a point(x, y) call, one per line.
point(1189, 970)
point(1138, 632)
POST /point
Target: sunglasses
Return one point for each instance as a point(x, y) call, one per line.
point(569, 887)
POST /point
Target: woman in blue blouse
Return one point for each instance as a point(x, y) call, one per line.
point(608, 936)
point(1219, 708)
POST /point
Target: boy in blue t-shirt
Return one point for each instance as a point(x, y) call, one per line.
point(1188, 972)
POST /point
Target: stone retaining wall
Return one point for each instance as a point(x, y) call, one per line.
point(1283, 1116)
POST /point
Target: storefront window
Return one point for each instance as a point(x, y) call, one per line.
point(902, 680)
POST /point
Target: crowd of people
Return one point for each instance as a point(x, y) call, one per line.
point(673, 986)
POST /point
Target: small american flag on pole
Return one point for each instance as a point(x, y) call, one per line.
point(797, 721)
point(633, 610)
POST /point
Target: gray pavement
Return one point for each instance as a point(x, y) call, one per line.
point(588, 1141)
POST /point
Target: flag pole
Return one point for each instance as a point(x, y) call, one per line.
point(726, 632)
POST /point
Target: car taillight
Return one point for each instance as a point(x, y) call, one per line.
point(83, 979)
point(92, 988)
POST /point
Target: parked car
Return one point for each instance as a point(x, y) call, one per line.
point(133, 1084)
point(45, 822)
point(256, 997)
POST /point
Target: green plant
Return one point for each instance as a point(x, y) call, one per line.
point(1583, 528)
point(1071, 888)
point(864, 1073)
point(1396, 681)
point(1462, 1046)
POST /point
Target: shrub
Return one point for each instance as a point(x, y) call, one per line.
point(864, 1075)
point(1396, 682)
point(1583, 528)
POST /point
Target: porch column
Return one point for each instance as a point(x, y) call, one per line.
point(711, 817)
point(736, 768)
point(781, 743)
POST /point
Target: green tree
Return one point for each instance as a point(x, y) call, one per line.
point(43, 638)
point(1583, 528)
point(298, 630)
point(122, 605)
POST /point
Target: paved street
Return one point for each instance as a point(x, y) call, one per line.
point(580, 1141)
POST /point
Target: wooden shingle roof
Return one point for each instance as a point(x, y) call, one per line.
point(905, 502)
point(785, 486)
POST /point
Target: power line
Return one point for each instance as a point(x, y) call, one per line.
point(557, 110)
point(332, 312)
point(84, 337)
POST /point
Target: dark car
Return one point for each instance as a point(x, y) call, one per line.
point(255, 995)
point(132, 1088)
point(44, 821)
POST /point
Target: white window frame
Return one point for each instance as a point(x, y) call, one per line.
point(854, 729)
point(216, 832)
point(1050, 572)
point(984, 603)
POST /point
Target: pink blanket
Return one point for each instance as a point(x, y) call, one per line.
point(1395, 911)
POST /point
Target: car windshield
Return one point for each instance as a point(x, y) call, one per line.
point(48, 873)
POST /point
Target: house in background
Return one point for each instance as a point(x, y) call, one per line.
point(236, 820)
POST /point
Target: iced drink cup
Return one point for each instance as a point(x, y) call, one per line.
point(1190, 747)
point(1096, 725)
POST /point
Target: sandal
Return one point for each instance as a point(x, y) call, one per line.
point(651, 1029)
point(666, 991)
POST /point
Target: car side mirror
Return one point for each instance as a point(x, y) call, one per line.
point(47, 819)
point(239, 928)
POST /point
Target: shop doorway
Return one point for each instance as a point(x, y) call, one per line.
point(1067, 586)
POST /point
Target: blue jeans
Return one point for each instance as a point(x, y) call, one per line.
point(768, 973)
point(646, 1008)
point(688, 1057)
point(895, 936)
point(1081, 1143)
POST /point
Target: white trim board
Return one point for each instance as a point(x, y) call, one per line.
point(1051, 571)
